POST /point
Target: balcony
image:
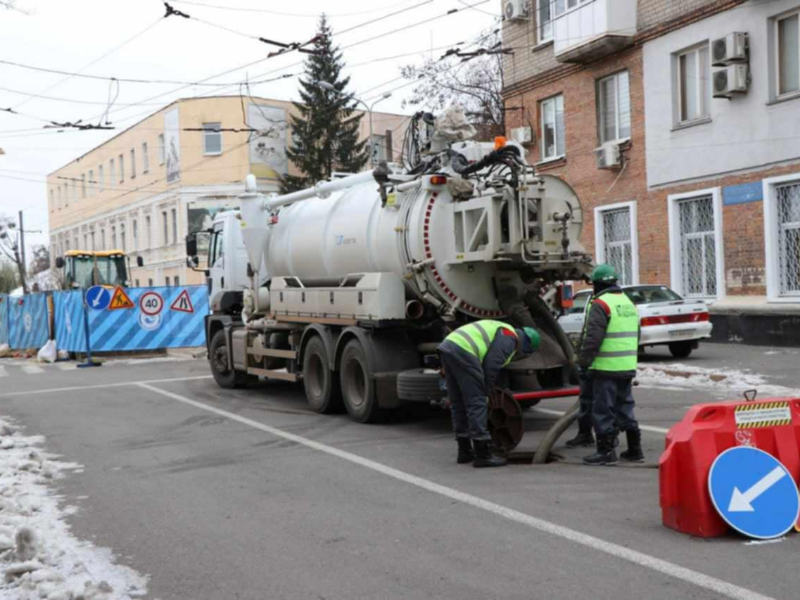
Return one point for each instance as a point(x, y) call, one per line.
point(591, 29)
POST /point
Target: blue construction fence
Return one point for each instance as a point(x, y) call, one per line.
point(118, 319)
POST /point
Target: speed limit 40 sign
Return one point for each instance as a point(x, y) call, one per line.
point(151, 303)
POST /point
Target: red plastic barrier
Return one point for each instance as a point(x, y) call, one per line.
point(704, 433)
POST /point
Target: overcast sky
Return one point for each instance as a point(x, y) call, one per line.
point(70, 35)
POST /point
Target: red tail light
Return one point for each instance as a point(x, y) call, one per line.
point(697, 317)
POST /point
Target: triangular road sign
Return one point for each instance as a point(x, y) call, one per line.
point(183, 303)
point(120, 300)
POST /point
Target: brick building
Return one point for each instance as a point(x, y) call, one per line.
point(698, 132)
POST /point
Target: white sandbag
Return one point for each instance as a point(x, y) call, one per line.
point(48, 353)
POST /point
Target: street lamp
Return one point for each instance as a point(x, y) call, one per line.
point(332, 88)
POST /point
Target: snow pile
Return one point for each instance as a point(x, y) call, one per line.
point(725, 384)
point(39, 557)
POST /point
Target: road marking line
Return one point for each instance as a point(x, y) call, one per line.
point(559, 413)
point(3, 372)
point(645, 560)
point(76, 388)
point(66, 366)
point(32, 369)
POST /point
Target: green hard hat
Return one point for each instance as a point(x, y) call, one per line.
point(533, 336)
point(604, 273)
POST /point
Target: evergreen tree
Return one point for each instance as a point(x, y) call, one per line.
point(325, 133)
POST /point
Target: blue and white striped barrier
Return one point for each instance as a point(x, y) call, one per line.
point(27, 318)
point(150, 319)
point(3, 319)
point(70, 333)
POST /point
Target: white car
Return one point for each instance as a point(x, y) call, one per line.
point(666, 318)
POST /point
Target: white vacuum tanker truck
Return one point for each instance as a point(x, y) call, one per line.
point(352, 284)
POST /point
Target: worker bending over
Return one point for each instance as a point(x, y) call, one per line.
point(472, 357)
point(608, 356)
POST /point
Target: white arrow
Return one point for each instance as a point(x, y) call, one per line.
point(96, 302)
point(742, 502)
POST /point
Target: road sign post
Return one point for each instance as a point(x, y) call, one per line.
point(754, 492)
point(89, 362)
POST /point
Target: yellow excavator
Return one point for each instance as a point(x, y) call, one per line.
point(85, 268)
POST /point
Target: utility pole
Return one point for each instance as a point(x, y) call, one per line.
point(22, 243)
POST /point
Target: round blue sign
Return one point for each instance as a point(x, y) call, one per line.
point(98, 297)
point(754, 493)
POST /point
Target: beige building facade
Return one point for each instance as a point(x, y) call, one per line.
point(145, 189)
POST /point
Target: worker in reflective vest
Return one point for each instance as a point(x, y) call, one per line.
point(472, 357)
point(608, 357)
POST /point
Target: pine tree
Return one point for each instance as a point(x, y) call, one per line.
point(325, 133)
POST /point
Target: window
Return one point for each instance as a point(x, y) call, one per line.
point(102, 239)
point(58, 191)
point(614, 108)
point(92, 183)
point(544, 17)
point(135, 226)
point(113, 238)
point(166, 281)
point(52, 200)
point(112, 173)
point(150, 282)
point(165, 239)
point(695, 227)
point(91, 235)
point(133, 163)
point(616, 240)
point(212, 138)
point(83, 186)
point(136, 283)
point(149, 232)
point(552, 111)
point(74, 191)
point(693, 89)
point(145, 158)
point(121, 168)
point(782, 236)
point(122, 237)
point(174, 226)
point(101, 176)
point(788, 52)
point(162, 152)
point(177, 280)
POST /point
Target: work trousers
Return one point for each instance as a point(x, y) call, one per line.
point(586, 399)
point(613, 405)
point(466, 389)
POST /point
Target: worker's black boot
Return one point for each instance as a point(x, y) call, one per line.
point(484, 457)
point(634, 452)
point(605, 454)
point(465, 453)
point(584, 438)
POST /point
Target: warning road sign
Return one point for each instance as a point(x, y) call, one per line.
point(120, 300)
point(183, 303)
point(151, 303)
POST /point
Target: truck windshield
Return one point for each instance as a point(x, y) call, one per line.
point(111, 270)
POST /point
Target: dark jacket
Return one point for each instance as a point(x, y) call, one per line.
point(594, 332)
point(500, 349)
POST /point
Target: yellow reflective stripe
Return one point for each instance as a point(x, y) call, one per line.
point(617, 354)
point(623, 334)
point(485, 335)
point(471, 342)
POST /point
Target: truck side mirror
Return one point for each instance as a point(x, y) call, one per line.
point(192, 262)
point(59, 262)
point(191, 245)
point(139, 261)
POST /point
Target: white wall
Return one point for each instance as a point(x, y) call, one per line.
point(744, 132)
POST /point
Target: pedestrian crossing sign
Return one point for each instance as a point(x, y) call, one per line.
point(120, 300)
point(183, 303)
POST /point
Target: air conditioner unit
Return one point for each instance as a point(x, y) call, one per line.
point(515, 10)
point(522, 135)
point(729, 50)
point(731, 80)
point(608, 156)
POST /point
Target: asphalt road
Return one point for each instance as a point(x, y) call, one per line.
point(246, 494)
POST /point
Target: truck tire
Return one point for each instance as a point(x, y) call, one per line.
point(419, 385)
point(358, 384)
point(680, 349)
point(224, 375)
point(320, 382)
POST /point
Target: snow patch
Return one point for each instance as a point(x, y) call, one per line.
point(39, 556)
point(725, 384)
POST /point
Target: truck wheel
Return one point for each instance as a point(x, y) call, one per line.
point(320, 382)
point(225, 376)
point(419, 385)
point(358, 385)
point(680, 349)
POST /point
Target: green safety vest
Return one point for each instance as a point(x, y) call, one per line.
point(620, 348)
point(476, 338)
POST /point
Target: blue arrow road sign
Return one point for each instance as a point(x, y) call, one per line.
point(98, 297)
point(753, 492)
